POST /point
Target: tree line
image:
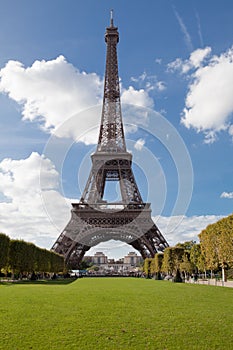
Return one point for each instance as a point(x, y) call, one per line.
point(23, 258)
point(214, 253)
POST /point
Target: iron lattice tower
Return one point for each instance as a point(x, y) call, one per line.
point(94, 220)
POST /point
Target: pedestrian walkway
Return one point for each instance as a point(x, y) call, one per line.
point(212, 282)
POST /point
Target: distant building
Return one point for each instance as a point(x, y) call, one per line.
point(99, 258)
point(123, 266)
point(132, 259)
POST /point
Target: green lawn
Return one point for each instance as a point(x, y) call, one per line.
point(115, 313)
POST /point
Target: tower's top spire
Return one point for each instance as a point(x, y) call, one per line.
point(111, 136)
point(111, 18)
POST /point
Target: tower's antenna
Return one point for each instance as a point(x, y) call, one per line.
point(111, 18)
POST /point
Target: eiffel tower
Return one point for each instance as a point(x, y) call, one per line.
point(93, 219)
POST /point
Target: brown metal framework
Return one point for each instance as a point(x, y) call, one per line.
point(94, 220)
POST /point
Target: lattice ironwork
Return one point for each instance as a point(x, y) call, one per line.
point(111, 167)
point(111, 136)
point(93, 219)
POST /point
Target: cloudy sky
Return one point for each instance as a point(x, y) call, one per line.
point(176, 73)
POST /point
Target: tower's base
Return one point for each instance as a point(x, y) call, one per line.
point(91, 224)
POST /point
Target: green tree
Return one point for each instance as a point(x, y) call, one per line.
point(168, 263)
point(85, 264)
point(44, 262)
point(158, 262)
point(187, 246)
point(146, 267)
point(197, 258)
point(217, 244)
point(224, 231)
point(27, 258)
point(172, 261)
point(208, 244)
point(4, 250)
point(178, 254)
point(186, 265)
point(22, 256)
point(56, 262)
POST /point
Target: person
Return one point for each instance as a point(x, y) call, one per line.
point(195, 277)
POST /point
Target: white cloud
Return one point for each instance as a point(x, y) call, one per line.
point(198, 56)
point(61, 99)
point(175, 65)
point(209, 103)
point(23, 213)
point(50, 91)
point(139, 98)
point(210, 137)
point(228, 195)
point(139, 144)
point(187, 229)
point(195, 60)
point(148, 83)
point(230, 130)
point(158, 60)
point(160, 85)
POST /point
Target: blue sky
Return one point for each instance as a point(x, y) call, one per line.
point(176, 70)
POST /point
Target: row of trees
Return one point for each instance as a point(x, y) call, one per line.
point(21, 257)
point(217, 244)
point(174, 261)
point(214, 252)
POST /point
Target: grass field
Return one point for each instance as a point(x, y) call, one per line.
point(115, 313)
